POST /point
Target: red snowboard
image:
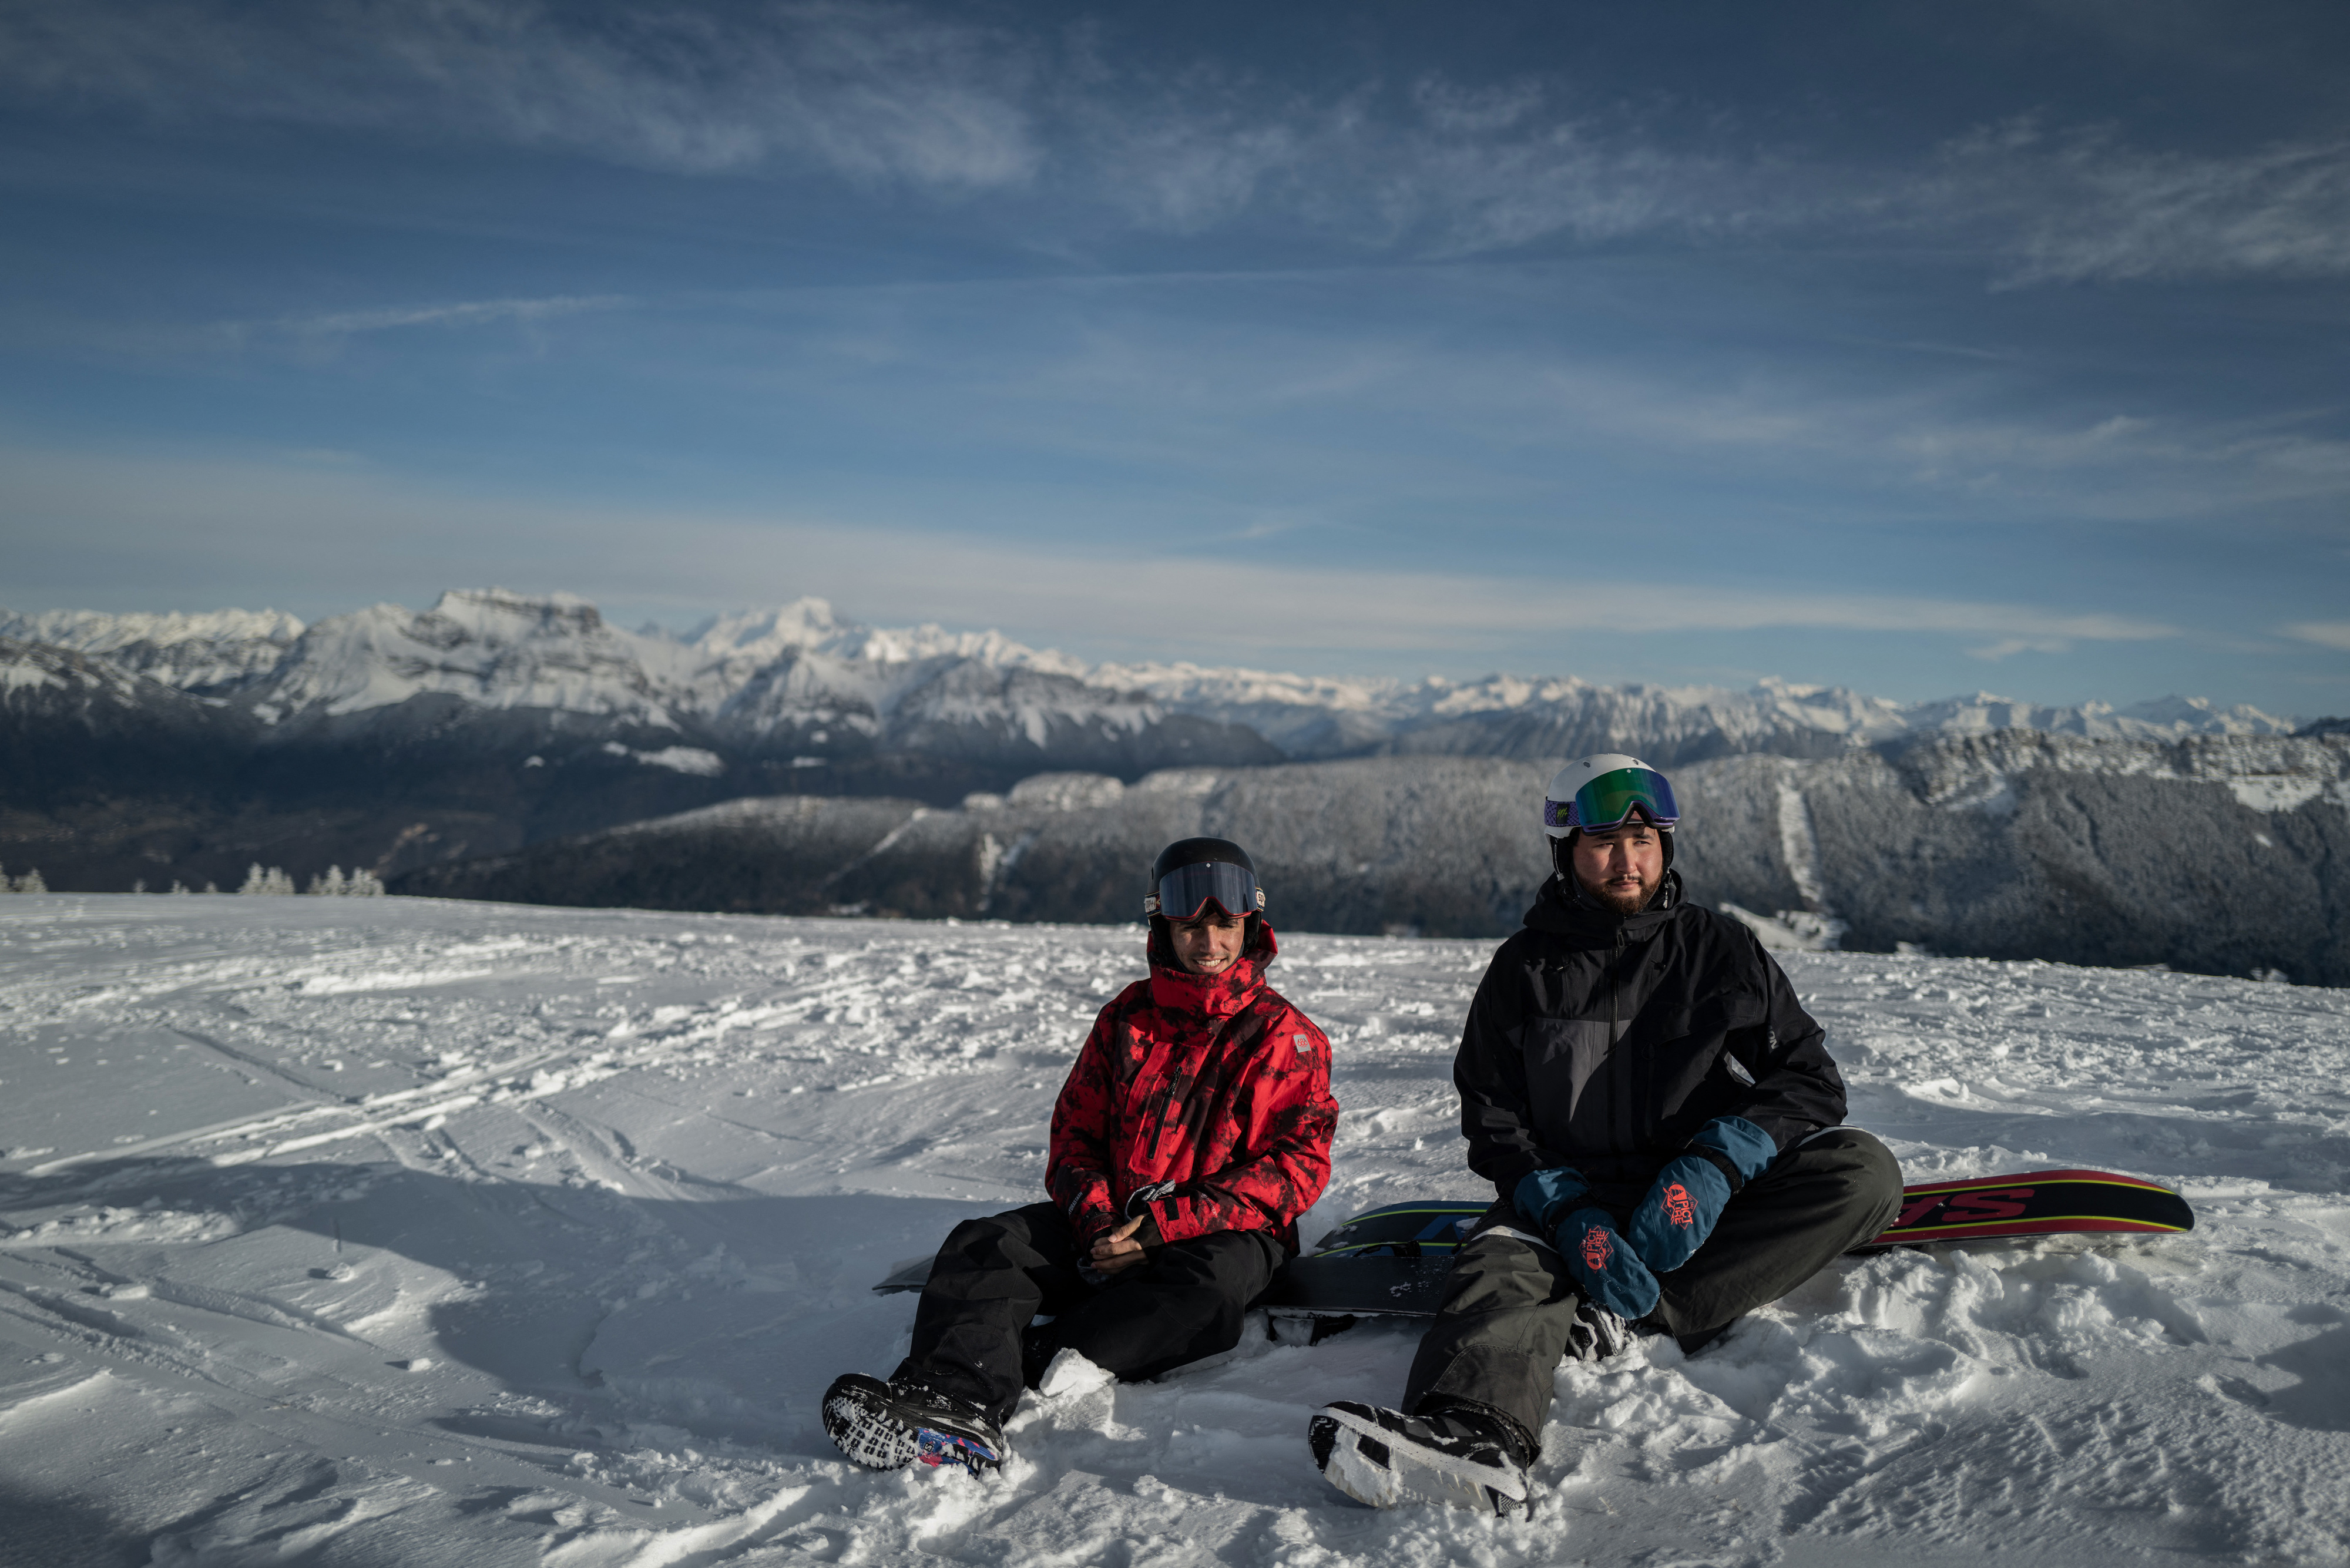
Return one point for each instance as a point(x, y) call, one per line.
point(1391, 1262)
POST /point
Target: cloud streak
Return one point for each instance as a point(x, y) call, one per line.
point(469, 313)
point(2334, 634)
point(2009, 647)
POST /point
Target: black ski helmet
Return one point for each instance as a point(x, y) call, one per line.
point(1191, 872)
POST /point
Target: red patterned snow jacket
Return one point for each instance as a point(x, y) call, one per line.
point(1211, 1082)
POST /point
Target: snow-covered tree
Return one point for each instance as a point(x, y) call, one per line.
point(357, 885)
point(139, 884)
point(272, 880)
point(30, 882)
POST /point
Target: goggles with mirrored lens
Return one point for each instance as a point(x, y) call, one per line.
point(1609, 800)
point(1186, 890)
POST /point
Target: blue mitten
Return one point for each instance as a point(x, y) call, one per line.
point(1679, 1214)
point(1611, 1274)
point(1543, 1196)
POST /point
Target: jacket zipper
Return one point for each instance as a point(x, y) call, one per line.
point(1620, 1070)
point(1615, 980)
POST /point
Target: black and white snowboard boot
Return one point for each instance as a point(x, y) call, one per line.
point(889, 1426)
point(1385, 1457)
point(1596, 1333)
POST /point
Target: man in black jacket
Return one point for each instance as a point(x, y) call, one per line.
point(1661, 1120)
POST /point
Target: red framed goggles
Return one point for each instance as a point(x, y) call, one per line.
point(1183, 892)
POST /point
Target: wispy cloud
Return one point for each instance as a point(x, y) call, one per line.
point(871, 92)
point(896, 95)
point(468, 313)
point(1946, 351)
point(2008, 646)
point(1976, 438)
point(2083, 205)
point(899, 95)
point(1430, 165)
point(2155, 466)
point(2324, 633)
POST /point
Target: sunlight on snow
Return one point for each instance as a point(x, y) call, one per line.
point(421, 1232)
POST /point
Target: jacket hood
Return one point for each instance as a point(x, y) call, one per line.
point(1217, 996)
point(1561, 907)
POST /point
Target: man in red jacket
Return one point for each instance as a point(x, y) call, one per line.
point(1192, 1132)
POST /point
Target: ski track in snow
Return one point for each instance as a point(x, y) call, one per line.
point(386, 1231)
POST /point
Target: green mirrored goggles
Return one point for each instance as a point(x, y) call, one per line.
point(1609, 800)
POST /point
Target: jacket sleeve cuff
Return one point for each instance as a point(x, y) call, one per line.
point(1093, 1219)
point(1720, 1161)
point(1746, 1147)
point(1166, 1218)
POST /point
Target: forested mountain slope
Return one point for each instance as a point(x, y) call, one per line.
point(2222, 854)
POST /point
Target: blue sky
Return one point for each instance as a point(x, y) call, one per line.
point(1913, 348)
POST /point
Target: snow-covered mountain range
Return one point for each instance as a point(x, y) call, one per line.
point(193, 652)
point(477, 747)
point(801, 679)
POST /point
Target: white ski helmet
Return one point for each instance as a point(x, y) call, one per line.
point(1602, 792)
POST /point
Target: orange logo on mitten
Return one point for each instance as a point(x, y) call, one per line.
point(1678, 1207)
point(1595, 1247)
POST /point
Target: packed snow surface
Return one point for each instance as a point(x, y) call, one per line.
point(371, 1231)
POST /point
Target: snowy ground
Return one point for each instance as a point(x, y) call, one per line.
point(379, 1231)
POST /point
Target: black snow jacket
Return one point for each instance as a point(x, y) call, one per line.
point(1603, 1042)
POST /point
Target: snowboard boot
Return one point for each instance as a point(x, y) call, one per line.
point(1596, 1333)
point(1385, 1457)
point(889, 1426)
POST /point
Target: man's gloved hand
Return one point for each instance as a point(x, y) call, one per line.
point(1610, 1273)
point(1673, 1222)
point(1546, 1196)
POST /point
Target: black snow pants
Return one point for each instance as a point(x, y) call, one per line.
point(1509, 1299)
point(995, 1275)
